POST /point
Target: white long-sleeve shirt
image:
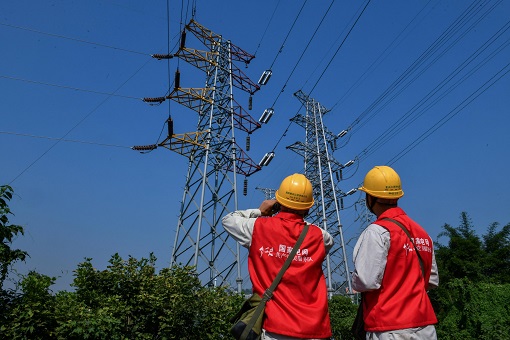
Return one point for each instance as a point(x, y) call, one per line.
point(239, 224)
point(370, 253)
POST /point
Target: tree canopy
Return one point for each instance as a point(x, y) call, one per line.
point(478, 259)
point(474, 291)
point(7, 234)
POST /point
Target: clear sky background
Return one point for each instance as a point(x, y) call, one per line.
point(420, 85)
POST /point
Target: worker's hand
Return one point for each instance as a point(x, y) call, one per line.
point(266, 207)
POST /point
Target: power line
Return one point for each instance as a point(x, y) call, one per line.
point(267, 27)
point(381, 57)
point(76, 125)
point(340, 46)
point(331, 47)
point(462, 105)
point(447, 35)
point(302, 53)
point(408, 118)
point(348, 33)
point(66, 87)
point(62, 139)
point(74, 39)
point(488, 84)
point(288, 34)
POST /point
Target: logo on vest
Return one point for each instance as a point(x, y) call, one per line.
point(284, 252)
point(407, 248)
point(422, 244)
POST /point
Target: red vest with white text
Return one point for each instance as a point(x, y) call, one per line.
point(299, 306)
point(402, 301)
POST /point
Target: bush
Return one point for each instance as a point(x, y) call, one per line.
point(469, 310)
point(342, 313)
point(31, 313)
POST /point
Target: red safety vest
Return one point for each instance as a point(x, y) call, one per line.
point(402, 301)
point(299, 306)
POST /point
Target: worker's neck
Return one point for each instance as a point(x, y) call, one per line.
point(379, 209)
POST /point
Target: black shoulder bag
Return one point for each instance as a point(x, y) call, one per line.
point(358, 326)
point(248, 321)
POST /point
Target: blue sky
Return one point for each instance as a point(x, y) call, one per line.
point(72, 75)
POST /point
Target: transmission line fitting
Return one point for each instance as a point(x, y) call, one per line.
point(268, 157)
point(266, 115)
point(162, 56)
point(264, 78)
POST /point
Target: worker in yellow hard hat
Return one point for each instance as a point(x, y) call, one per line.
point(382, 185)
point(394, 265)
point(298, 308)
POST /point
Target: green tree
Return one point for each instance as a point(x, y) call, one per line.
point(468, 256)
point(129, 300)
point(463, 256)
point(342, 313)
point(472, 299)
point(8, 255)
point(7, 234)
point(31, 314)
point(470, 310)
point(496, 245)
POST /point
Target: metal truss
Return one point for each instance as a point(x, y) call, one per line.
point(215, 159)
point(269, 194)
point(321, 168)
point(210, 190)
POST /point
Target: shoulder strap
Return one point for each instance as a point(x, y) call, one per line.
point(411, 239)
point(269, 292)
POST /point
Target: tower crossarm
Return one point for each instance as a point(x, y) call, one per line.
point(209, 38)
point(205, 35)
point(203, 60)
point(244, 164)
point(299, 148)
point(198, 58)
point(192, 98)
point(242, 120)
point(240, 55)
point(305, 121)
point(185, 143)
point(307, 100)
point(269, 194)
point(301, 120)
point(242, 82)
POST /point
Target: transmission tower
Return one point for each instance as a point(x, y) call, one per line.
point(320, 169)
point(269, 194)
point(215, 158)
point(365, 216)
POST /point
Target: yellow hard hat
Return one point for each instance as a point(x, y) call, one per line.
point(295, 192)
point(383, 182)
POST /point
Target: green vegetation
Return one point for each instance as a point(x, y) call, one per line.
point(7, 233)
point(131, 300)
point(128, 300)
point(473, 298)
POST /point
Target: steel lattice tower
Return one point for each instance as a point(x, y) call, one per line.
point(320, 168)
point(215, 159)
point(268, 193)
